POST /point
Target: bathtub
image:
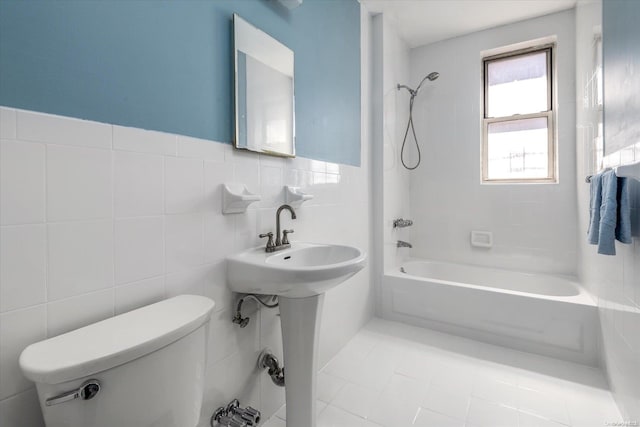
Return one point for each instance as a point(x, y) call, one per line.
point(544, 314)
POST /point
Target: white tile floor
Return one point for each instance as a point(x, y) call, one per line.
point(395, 375)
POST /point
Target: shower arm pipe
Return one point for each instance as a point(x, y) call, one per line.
point(414, 92)
point(411, 91)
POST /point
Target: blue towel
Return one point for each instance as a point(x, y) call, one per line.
point(596, 201)
point(623, 227)
point(610, 212)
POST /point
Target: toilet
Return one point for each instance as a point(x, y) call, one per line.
point(144, 368)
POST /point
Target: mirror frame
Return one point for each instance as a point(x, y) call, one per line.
point(238, 20)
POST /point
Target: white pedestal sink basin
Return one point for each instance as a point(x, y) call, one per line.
point(300, 276)
point(304, 270)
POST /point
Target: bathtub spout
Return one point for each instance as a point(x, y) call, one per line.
point(402, 244)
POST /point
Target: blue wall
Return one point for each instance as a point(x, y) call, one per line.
point(167, 65)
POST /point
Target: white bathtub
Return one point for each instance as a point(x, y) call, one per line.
point(549, 315)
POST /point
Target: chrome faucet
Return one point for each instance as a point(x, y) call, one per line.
point(285, 239)
point(402, 244)
point(281, 242)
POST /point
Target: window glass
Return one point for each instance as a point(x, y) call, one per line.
point(517, 85)
point(518, 149)
point(518, 140)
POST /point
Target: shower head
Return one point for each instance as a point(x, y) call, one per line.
point(431, 77)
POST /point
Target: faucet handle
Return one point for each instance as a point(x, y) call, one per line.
point(270, 243)
point(285, 238)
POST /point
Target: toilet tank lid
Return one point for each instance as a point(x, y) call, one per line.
point(114, 341)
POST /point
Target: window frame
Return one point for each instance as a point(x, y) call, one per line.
point(550, 115)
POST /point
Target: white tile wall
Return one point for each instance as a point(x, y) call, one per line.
point(183, 185)
point(138, 184)
point(200, 149)
point(390, 63)
point(7, 124)
point(98, 219)
point(24, 260)
point(614, 281)
point(72, 313)
point(80, 257)
point(137, 294)
point(218, 235)
point(21, 410)
point(214, 174)
point(184, 241)
point(397, 200)
point(18, 328)
point(143, 141)
point(533, 225)
point(48, 128)
point(79, 183)
point(23, 183)
point(139, 248)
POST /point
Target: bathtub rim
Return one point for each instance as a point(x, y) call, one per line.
point(583, 297)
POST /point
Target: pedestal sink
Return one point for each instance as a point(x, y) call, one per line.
point(299, 276)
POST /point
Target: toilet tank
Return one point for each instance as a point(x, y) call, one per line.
point(149, 364)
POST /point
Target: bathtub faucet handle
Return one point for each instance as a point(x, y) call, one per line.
point(401, 223)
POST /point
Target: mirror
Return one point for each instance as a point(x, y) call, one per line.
point(621, 75)
point(264, 97)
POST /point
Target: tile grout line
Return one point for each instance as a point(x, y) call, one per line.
point(113, 224)
point(47, 266)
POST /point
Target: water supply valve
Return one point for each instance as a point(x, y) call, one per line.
point(231, 421)
point(250, 415)
point(233, 415)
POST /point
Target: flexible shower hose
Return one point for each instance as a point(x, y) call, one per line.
point(406, 133)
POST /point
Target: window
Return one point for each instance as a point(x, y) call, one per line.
point(519, 141)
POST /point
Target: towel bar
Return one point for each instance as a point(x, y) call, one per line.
point(625, 171)
point(588, 178)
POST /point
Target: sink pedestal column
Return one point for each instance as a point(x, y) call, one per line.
point(300, 320)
